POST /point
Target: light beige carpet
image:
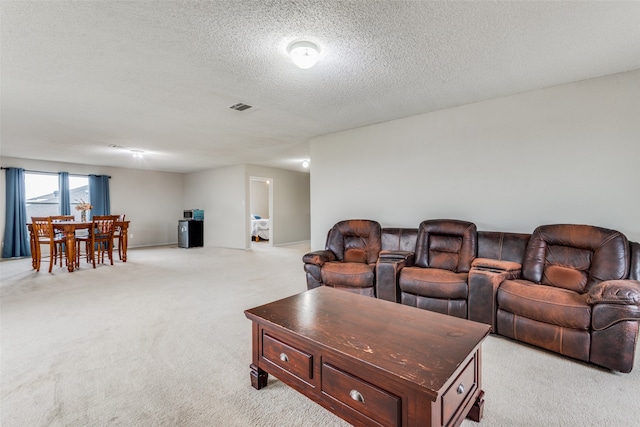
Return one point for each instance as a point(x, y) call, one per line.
point(162, 341)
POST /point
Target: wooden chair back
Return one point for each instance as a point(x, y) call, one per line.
point(103, 226)
point(42, 228)
point(42, 234)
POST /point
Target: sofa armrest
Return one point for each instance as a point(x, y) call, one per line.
point(615, 319)
point(397, 256)
point(622, 292)
point(388, 272)
point(388, 268)
point(485, 277)
point(495, 265)
point(318, 257)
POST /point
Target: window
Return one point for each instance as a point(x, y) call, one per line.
point(43, 194)
point(78, 192)
point(43, 198)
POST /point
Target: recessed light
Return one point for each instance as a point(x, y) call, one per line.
point(137, 153)
point(305, 164)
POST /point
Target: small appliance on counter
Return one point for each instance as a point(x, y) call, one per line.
point(194, 214)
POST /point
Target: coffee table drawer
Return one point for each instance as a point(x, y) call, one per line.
point(365, 398)
point(288, 358)
point(457, 394)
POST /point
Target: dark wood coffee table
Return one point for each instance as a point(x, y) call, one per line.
point(369, 361)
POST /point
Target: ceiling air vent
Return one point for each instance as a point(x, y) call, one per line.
point(240, 106)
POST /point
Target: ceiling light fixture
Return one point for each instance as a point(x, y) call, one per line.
point(305, 164)
point(137, 153)
point(304, 54)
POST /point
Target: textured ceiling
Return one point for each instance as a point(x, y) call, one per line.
point(80, 77)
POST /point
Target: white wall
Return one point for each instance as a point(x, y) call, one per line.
point(151, 200)
point(221, 193)
point(259, 195)
point(566, 154)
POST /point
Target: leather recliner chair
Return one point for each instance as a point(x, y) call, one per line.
point(437, 280)
point(349, 259)
point(571, 297)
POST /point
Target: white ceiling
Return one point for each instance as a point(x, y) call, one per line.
point(79, 77)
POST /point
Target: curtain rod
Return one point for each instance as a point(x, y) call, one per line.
point(32, 171)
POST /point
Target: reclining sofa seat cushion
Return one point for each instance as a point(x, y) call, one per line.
point(356, 245)
point(549, 306)
point(438, 279)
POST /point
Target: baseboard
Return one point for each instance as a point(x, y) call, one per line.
point(293, 243)
point(152, 245)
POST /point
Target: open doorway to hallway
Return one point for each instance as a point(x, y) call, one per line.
point(261, 210)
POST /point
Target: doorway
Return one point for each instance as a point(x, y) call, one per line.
point(261, 210)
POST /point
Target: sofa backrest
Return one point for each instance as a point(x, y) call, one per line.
point(399, 239)
point(491, 244)
point(355, 240)
point(502, 246)
point(575, 257)
point(446, 244)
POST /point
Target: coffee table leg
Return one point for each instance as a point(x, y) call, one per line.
point(476, 411)
point(258, 377)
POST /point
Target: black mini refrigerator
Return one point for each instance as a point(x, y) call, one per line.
point(190, 233)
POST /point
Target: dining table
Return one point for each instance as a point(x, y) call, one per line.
point(69, 228)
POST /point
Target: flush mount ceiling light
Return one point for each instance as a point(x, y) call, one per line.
point(304, 54)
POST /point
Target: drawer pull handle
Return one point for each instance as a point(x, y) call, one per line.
point(284, 357)
point(355, 395)
point(460, 389)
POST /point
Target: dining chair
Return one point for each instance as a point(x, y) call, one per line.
point(43, 235)
point(61, 249)
point(99, 240)
point(117, 235)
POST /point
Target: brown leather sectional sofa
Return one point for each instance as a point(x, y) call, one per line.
point(571, 289)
